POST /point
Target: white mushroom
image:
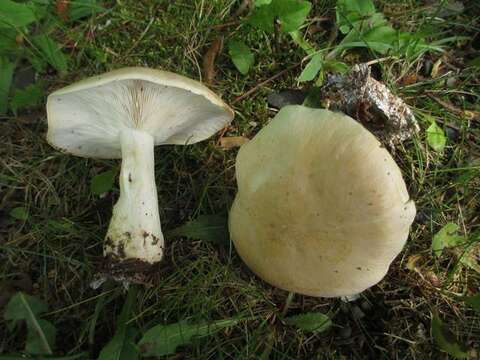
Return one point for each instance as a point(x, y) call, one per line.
point(124, 114)
point(322, 208)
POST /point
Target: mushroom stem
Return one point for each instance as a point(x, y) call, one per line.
point(134, 239)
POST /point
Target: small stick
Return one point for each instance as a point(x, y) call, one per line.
point(144, 32)
point(209, 59)
point(473, 115)
point(379, 60)
point(227, 24)
point(258, 86)
point(253, 90)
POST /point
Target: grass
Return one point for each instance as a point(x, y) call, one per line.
point(55, 252)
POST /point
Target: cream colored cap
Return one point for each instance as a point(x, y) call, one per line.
point(322, 208)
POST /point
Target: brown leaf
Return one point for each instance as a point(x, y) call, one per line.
point(209, 59)
point(409, 79)
point(62, 9)
point(232, 142)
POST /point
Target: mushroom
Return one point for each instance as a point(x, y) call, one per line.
point(322, 208)
point(124, 114)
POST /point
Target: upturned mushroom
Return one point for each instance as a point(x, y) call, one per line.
point(322, 208)
point(124, 114)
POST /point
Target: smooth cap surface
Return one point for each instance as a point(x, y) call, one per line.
point(322, 208)
point(85, 118)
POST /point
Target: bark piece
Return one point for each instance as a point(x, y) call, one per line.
point(371, 103)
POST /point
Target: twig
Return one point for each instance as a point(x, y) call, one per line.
point(253, 90)
point(379, 60)
point(227, 24)
point(472, 115)
point(258, 86)
point(140, 38)
point(209, 59)
point(244, 6)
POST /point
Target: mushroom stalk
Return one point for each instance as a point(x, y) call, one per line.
point(118, 115)
point(134, 239)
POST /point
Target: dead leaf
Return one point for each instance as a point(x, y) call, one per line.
point(409, 79)
point(231, 142)
point(412, 262)
point(286, 97)
point(209, 59)
point(436, 68)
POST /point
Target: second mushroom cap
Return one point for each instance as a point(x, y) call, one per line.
point(322, 208)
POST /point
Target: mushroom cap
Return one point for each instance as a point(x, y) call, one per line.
point(322, 208)
point(85, 118)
